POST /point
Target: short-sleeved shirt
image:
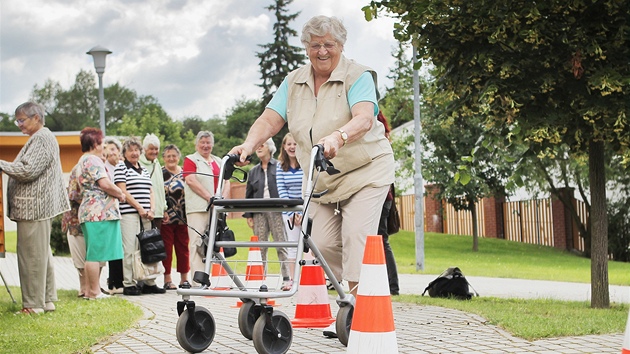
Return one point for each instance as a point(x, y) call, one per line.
point(96, 204)
point(70, 220)
point(190, 167)
point(362, 90)
point(138, 184)
point(175, 201)
point(289, 183)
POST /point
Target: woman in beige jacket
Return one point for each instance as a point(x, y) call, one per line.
point(36, 194)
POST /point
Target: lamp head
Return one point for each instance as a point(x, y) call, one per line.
point(99, 53)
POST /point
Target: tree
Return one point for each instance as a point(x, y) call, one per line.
point(279, 58)
point(397, 103)
point(77, 107)
point(7, 123)
point(238, 120)
point(557, 71)
point(69, 110)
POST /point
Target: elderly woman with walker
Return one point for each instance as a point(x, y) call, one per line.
point(332, 101)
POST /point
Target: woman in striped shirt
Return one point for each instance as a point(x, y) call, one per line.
point(289, 181)
point(135, 182)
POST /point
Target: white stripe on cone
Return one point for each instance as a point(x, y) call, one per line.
point(371, 280)
point(312, 294)
point(370, 342)
point(254, 256)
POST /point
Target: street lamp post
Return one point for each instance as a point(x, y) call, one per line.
point(99, 53)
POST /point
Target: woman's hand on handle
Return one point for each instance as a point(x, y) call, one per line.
point(331, 143)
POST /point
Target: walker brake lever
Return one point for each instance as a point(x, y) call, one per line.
point(323, 164)
point(230, 167)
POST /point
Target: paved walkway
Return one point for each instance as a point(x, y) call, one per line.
point(419, 329)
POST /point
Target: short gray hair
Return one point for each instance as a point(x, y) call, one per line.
point(31, 109)
point(112, 140)
point(204, 134)
point(321, 26)
point(151, 139)
point(171, 147)
point(271, 146)
point(129, 142)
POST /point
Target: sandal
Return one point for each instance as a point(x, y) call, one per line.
point(287, 285)
point(30, 311)
point(169, 286)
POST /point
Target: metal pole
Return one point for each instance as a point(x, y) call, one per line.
point(101, 102)
point(418, 182)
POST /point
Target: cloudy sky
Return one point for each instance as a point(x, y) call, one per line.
point(197, 57)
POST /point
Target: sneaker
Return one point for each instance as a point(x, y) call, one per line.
point(152, 289)
point(100, 296)
point(131, 290)
point(185, 285)
point(116, 290)
point(49, 307)
point(331, 331)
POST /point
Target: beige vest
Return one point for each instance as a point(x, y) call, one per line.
point(195, 203)
point(367, 162)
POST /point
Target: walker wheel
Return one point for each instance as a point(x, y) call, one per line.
point(197, 336)
point(276, 340)
point(247, 316)
point(344, 322)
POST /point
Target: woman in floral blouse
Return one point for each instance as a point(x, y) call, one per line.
point(98, 213)
point(174, 229)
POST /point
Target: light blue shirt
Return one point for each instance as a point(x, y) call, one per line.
point(362, 90)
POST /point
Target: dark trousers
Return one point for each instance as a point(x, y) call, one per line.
point(115, 279)
point(392, 271)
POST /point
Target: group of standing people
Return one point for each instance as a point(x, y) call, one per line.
point(112, 190)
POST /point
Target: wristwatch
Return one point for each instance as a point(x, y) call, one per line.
point(344, 136)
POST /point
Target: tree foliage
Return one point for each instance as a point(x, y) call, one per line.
point(279, 58)
point(77, 107)
point(556, 72)
point(397, 102)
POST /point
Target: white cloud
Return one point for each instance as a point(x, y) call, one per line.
point(197, 57)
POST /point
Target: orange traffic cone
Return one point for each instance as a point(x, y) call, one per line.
point(255, 272)
point(313, 307)
point(626, 338)
point(220, 280)
point(372, 329)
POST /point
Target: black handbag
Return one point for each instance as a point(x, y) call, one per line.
point(223, 233)
point(393, 219)
point(152, 248)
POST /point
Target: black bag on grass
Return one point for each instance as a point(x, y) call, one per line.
point(451, 283)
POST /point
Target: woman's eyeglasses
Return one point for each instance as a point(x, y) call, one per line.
point(19, 122)
point(317, 46)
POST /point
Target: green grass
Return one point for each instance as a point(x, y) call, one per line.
point(536, 319)
point(74, 327)
point(499, 258)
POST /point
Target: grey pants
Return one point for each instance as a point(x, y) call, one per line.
point(130, 227)
point(267, 222)
point(35, 263)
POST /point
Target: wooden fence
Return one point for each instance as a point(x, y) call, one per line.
point(529, 221)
